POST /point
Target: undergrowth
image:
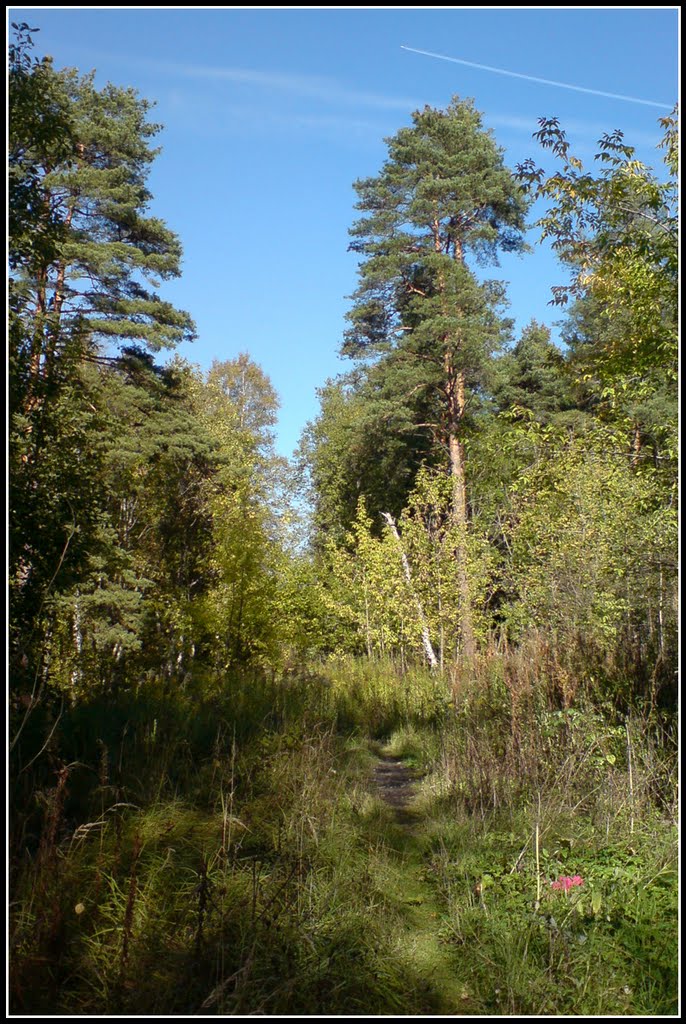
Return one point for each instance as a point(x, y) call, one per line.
point(227, 854)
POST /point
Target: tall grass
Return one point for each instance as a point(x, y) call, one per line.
point(526, 786)
point(221, 850)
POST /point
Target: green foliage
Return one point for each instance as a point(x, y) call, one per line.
point(104, 278)
point(39, 122)
point(532, 377)
point(124, 473)
point(57, 507)
point(510, 811)
point(230, 855)
point(364, 444)
point(191, 724)
point(92, 445)
point(618, 232)
point(367, 589)
point(589, 546)
point(603, 948)
point(432, 538)
point(237, 406)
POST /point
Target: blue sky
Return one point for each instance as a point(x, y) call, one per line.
point(271, 114)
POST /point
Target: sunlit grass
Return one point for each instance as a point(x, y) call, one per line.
point(233, 856)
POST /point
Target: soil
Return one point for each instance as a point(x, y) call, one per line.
point(394, 781)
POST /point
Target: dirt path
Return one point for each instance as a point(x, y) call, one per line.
point(419, 942)
point(395, 783)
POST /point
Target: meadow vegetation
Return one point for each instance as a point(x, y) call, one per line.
point(232, 855)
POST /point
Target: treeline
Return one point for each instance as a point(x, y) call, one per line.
point(467, 488)
point(146, 535)
point(534, 490)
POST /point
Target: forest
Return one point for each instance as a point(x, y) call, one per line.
point(387, 728)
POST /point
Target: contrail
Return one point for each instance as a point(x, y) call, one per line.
point(542, 81)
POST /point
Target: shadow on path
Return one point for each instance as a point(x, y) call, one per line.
point(395, 784)
point(419, 941)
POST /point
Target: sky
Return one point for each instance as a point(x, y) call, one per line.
point(271, 114)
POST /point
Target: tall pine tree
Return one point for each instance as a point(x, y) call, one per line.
point(98, 281)
point(86, 262)
point(444, 193)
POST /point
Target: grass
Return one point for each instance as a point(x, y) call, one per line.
point(228, 854)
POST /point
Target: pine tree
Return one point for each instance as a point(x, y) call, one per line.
point(85, 262)
point(98, 280)
point(533, 376)
point(419, 311)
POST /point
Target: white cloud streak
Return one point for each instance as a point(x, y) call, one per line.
point(327, 90)
point(540, 81)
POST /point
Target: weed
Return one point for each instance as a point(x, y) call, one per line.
point(225, 850)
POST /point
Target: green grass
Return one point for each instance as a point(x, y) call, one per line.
point(229, 854)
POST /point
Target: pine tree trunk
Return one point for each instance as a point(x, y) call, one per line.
point(460, 519)
point(455, 395)
point(636, 445)
point(456, 402)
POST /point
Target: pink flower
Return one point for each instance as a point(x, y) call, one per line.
point(566, 882)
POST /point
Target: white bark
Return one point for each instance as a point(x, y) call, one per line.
point(426, 639)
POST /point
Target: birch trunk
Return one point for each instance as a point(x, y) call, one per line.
point(426, 639)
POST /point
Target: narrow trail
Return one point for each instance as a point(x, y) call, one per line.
point(419, 942)
point(395, 783)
